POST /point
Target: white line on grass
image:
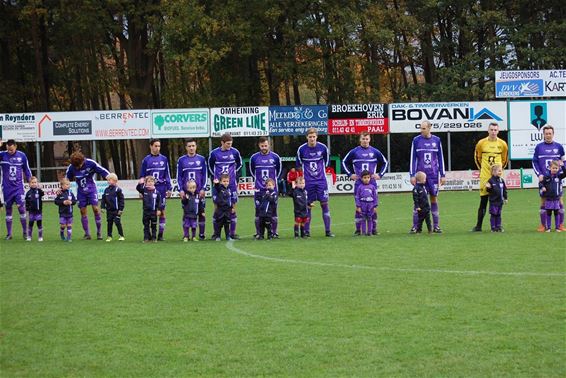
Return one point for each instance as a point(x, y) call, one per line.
point(230, 245)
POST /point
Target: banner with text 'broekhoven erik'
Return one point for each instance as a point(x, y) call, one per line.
point(447, 116)
point(527, 121)
point(357, 118)
point(296, 120)
point(94, 125)
point(535, 83)
point(180, 123)
point(246, 121)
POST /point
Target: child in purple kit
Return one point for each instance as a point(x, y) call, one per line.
point(497, 196)
point(366, 203)
point(34, 207)
point(551, 191)
point(65, 200)
point(190, 203)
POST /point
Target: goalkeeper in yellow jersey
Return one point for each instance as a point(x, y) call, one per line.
point(489, 151)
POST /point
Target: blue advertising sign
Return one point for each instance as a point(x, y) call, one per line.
point(296, 120)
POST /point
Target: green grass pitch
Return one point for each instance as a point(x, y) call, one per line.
point(456, 304)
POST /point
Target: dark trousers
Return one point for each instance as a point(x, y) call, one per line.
point(149, 225)
point(221, 219)
point(265, 224)
point(424, 216)
point(482, 210)
point(113, 218)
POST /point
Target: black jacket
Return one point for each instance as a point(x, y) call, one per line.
point(420, 197)
point(34, 202)
point(498, 191)
point(300, 202)
point(190, 205)
point(65, 210)
point(267, 203)
point(151, 199)
point(113, 199)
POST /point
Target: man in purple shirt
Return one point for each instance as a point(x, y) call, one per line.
point(227, 160)
point(545, 152)
point(82, 170)
point(264, 165)
point(15, 166)
point(157, 165)
point(364, 158)
point(427, 157)
point(192, 167)
point(313, 158)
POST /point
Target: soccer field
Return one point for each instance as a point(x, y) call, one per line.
point(456, 304)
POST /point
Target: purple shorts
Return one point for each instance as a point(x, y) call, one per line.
point(494, 210)
point(85, 199)
point(432, 185)
point(189, 222)
point(19, 198)
point(33, 216)
point(317, 192)
point(367, 209)
point(65, 220)
point(552, 204)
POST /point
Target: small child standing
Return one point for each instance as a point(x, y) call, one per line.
point(34, 207)
point(422, 206)
point(65, 200)
point(113, 203)
point(267, 208)
point(223, 209)
point(366, 203)
point(497, 196)
point(301, 206)
point(551, 189)
point(191, 207)
point(152, 206)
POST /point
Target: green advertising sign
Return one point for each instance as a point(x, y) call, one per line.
point(180, 123)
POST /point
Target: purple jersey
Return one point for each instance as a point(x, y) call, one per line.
point(14, 167)
point(158, 167)
point(192, 168)
point(225, 162)
point(313, 161)
point(84, 176)
point(362, 159)
point(544, 154)
point(263, 167)
point(366, 194)
point(427, 156)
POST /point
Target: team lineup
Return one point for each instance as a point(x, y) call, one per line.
point(364, 164)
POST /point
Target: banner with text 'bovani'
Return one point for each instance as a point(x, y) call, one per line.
point(528, 118)
point(447, 116)
point(357, 118)
point(246, 121)
point(180, 123)
point(296, 120)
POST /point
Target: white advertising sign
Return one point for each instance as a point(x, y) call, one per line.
point(447, 116)
point(179, 123)
point(20, 127)
point(527, 118)
point(248, 121)
point(95, 125)
point(536, 83)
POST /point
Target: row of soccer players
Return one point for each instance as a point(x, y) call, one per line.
point(312, 156)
